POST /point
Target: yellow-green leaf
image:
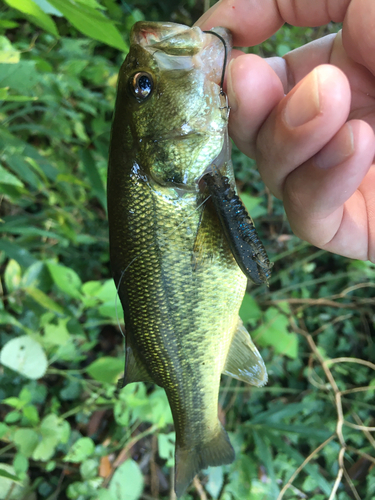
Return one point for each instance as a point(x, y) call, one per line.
point(44, 300)
point(35, 14)
point(274, 332)
point(91, 23)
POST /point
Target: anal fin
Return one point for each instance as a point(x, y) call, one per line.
point(244, 361)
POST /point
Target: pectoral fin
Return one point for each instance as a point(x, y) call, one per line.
point(244, 361)
point(135, 371)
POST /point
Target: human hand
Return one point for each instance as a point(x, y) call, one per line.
point(315, 145)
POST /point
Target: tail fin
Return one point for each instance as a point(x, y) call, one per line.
point(189, 461)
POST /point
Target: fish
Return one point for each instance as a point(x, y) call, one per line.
point(177, 279)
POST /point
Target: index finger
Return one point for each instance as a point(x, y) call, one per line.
point(253, 21)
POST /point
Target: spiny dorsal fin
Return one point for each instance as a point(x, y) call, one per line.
point(244, 361)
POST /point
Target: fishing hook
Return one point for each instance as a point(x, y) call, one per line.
point(225, 58)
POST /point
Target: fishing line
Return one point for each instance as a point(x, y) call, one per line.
point(143, 251)
point(225, 57)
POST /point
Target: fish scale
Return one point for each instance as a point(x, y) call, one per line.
point(178, 282)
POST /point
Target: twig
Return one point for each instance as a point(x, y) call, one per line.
point(340, 415)
point(306, 461)
point(338, 478)
point(359, 427)
point(7, 448)
point(153, 470)
point(198, 486)
point(121, 457)
point(351, 360)
point(361, 453)
point(365, 431)
point(172, 494)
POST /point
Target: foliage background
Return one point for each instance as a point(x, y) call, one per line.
point(64, 432)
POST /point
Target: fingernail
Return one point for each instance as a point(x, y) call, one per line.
point(207, 15)
point(232, 98)
point(304, 105)
point(338, 150)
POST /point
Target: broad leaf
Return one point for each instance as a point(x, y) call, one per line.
point(106, 369)
point(25, 356)
point(35, 14)
point(91, 23)
point(127, 481)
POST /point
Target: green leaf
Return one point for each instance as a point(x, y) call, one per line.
point(35, 14)
point(80, 450)
point(166, 447)
point(215, 481)
point(15, 402)
point(302, 430)
point(8, 54)
point(8, 319)
point(112, 310)
point(106, 369)
point(299, 459)
point(8, 25)
point(3, 429)
point(53, 430)
point(57, 334)
point(26, 441)
point(21, 77)
point(108, 292)
point(31, 413)
point(43, 299)
point(66, 279)
point(91, 23)
point(8, 475)
point(48, 8)
point(127, 481)
point(11, 487)
point(274, 332)
point(3, 96)
point(264, 452)
point(94, 177)
point(12, 276)
point(16, 252)
point(282, 49)
point(253, 205)
point(89, 469)
point(104, 494)
point(44, 450)
point(26, 356)
point(20, 463)
point(278, 412)
point(250, 311)
point(54, 427)
point(91, 288)
point(6, 177)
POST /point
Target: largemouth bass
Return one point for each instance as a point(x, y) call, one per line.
point(178, 282)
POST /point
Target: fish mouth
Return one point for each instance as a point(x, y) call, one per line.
point(176, 46)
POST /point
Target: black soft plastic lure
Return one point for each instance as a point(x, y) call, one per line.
point(238, 228)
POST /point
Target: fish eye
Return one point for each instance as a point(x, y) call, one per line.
point(142, 84)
